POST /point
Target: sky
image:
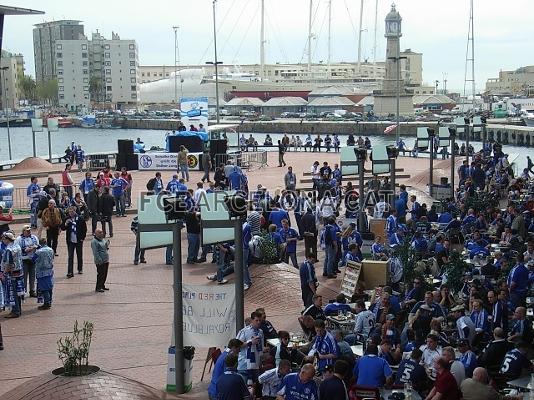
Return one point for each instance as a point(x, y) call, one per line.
point(437, 29)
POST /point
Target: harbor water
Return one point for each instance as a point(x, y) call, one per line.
point(105, 141)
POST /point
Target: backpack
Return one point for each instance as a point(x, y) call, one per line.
point(151, 184)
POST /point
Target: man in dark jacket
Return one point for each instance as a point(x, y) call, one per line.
point(310, 233)
point(93, 200)
point(75, 231)
point(105, 209)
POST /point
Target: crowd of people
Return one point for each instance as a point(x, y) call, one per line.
point(453, 320)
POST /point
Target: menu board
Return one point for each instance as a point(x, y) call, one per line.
point(350, 278)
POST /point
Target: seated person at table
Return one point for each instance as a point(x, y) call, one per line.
point(481, 319)
point(378, 250)
point(268, 329)
point(464, 324)
point(344, 348)
point(272, 378)
point(411, 344)
point(315, 310)
point(478, 249)
point(389, 332)
point(476, 238)
point(456, 367)
point(478, 388)
point(283, 352)
point(324, 346)
point(337, 306)
point(430, 350)
point(234, 346)
point(411, 371)
point(495, 351)
point(445, 217)
point(308, 327)
point(334, 388)
point(353, 254)
point(365, 321)
point(393, 299)
point(468, 358)
point(435, 329)
point(445, 387)
point(415, 295)
point(506, 237)
point(371, 370)
point(299, 385)
point(385, 351)
point(515, 361)
point(522, 328)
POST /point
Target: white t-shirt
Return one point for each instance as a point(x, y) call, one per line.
point(365, 321)
point(249, 356)
point(380, 208)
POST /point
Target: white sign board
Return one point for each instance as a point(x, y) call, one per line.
point(209, 315)
point(212, 208)
point(151, 212)
point(165, 161)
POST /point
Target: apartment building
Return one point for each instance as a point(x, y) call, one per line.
point(45, 36)
point(512, 83)
point(12, 68)
point(73, 73)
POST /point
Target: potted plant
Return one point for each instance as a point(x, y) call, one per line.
point(73, 351)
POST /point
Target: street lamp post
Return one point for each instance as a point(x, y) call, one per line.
point(431, 134)
point(215, 63)
point(397, 114)
point(175, 63)
point(6, 107)
point(452, 133)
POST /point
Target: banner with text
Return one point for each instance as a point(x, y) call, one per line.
point(209, 315)
point(165, 161)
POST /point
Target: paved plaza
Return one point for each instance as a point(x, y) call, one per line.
point(133, 320)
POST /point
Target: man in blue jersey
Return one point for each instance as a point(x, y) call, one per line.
point(277, 215)
point(324, 347)
point(234, 345)
point(272, 379)
point(32, 192)
point(337, 306)
point(411, 371)
point(230, 385)
point(299, 386)
point(252, 348)
point(467, 358)
point(518, 282)
point(372, 370)
point(289, 237)
point(331, 246)
point(119, 185)
point(515, 361)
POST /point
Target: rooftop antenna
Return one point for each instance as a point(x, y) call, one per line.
point(360, 30)
point(470, 58)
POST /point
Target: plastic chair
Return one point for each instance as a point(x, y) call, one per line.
point(213, 355)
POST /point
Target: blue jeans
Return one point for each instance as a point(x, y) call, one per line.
point(168, 255)
point(184, 169)
point(120, 207)
point(193, 246)
point(47, 296)
point(16, 308)
point(138, 253)
point(246, 273)
point(33, 214)
point(223, 268)
point(330, 257)
point(293, 257)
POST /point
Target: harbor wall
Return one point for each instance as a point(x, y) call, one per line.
point(505, 134)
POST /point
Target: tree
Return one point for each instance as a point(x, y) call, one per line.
point(26, 85)
point(95, 89)
point(47, 91)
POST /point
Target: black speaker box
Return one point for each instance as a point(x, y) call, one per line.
point(218, 146)
point(192, 143)
point(130, 161)
point(125, 146)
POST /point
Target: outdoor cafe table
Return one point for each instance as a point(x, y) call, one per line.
point(385, 393)
point(275, 342)
point(523, 382)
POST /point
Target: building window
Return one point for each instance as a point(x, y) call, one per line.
point(59, 47)
point(59, 55)
point(84, 47)
point(132, 47)
point(61, 96)
point(85, 63)
point(59, 80)
point(132, 63)
point(133, 88)
point(166, 74)
point(85, 72)
point(86, 96)
point(148, 74)
point(107, 55)
point(108, 80)
point(107, 63)
point(108, 72)
point(84, 55)
point(134, 95)
point(60, 72)
point(160, 74)
point(86, 88)
point(142, 74)
point(60, 63)
point(132, 72)
point(132, 55)
point(85, 80)
point(106, 46)
point(108, 88)
point(132, 80)
point(61, 88)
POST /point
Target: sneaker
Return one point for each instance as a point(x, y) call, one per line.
point(32, 293)
point(211, 277)
point(12, 315)
point(99, 290)
point(136, 262)
point(201, 260)
point(44, 307)
point(223, 282)
point(70, 276)
point(143, 261)
point(246, 287)
point(80, 272)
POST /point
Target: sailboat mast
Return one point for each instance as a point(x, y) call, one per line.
point(473, 86)
point(360, 37)
point(374, 42)
point(329, 60)
point(262, 41)
point(310, 37)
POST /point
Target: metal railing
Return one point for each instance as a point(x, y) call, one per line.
point(246, 160)
point(21, 200)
